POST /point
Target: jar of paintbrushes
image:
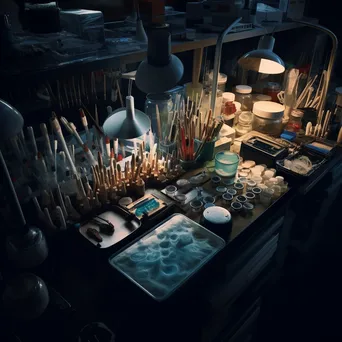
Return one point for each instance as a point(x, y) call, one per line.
point(197, 136)
point(161, 110)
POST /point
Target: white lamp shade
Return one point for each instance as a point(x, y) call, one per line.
point(127, 123)
point(11, 121)
point(263, 61)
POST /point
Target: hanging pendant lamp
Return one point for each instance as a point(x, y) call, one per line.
point(161, 71)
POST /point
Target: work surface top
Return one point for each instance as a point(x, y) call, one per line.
point(98, 293)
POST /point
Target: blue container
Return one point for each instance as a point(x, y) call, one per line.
point(226, 164)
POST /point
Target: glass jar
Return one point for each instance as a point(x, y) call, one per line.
point(164, 103)
point(295, 122)
point(243, 94)
point(228, 108)
point(272, 89)
point(268, 118)
point(245, 123)
point(221, 80)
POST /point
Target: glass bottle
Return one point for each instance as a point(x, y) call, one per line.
point(243, 94)
point(228, 108)
point(336, 121)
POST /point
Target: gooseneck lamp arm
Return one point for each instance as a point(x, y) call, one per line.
point(12, 190)
point(331, 60)
point(217, 62)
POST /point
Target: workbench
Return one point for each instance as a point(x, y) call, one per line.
point(220, 303)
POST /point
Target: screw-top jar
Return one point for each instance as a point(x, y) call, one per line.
point(228, 108)
point(295, 122)
point(268, 117)
point(245, 123)
point(243, 94)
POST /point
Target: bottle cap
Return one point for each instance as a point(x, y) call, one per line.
point(268, 109)
point(243, 89)
point(228, 97)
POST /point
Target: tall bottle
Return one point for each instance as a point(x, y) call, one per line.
point(336, 120)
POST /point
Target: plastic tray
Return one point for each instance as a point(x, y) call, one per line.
point(122, 225)
point(316, 159)
point(165, 258)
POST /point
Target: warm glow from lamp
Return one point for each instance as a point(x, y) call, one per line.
point(263, 60)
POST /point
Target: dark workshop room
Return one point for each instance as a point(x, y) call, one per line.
point(170, 161)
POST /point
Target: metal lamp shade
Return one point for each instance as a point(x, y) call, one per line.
point(159, 79)
point(127, 123)
point(11, 121)
point(262, 61)
point(161, 71)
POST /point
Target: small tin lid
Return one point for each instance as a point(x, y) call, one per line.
point(248, 206)
point(236, 205)
point(228, 97)
point(256, 190)
point(227, 196)
point(241, 199)
point(268, 110)
point(171, 189)
point(250, 195)
point(124, 201)
point(238, 186)
point(208, 199)
point(222, 189)
point(217, 215)
point(233, 192)
point(243, 89)
point(182, 182)
point(216, 179)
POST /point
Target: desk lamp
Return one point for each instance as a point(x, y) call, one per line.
point(331, 61)
point(217, 61)
point(27, 247)
point(263, 60)
point(161, 71)
point(127, 123)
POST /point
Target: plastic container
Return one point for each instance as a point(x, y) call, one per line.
point(239, 187)
point(226, 164)
point(215, 181)
point(243, 94)
point(196, 205)
point(241, 199)
point(250, 196)
point(295, 121)
point(268, 118)
point(233, 192)
point(221, 189)
point(221, 81)
point(228, 108)
point(166, 257)
point(235, 207)
point(227, 197)
point(248, 209)
point(218, 220)
point(244, 124)
point(266, 196)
